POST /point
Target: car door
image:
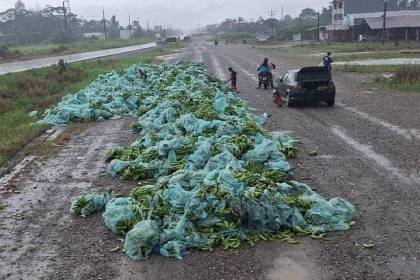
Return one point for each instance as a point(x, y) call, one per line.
point(283, 84)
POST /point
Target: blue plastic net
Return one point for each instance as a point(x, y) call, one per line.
point(219, 178)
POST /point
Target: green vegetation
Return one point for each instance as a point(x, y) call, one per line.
point(42, 50)
point(377, 55)
point(401, 78)
point(351, 47)
point(36, 90)
point(232, 36)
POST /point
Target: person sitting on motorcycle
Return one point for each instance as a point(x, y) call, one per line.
point(265, 67)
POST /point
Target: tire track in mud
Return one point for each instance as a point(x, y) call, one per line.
point(34, 222)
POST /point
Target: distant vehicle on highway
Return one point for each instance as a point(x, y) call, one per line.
point(309, 84)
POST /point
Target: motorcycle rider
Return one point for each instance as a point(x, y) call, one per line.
point(265, 67)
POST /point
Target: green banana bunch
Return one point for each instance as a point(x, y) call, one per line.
point(125, 226)
point(251, 128)
point(225, 225)
point(178, 164)
point(150, 155)
point(140, 193)
point(81, 202)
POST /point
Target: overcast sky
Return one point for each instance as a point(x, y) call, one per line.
point(185, 14)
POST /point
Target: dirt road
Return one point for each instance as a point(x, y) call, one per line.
point(368, 147)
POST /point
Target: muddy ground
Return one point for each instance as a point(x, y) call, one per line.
point(368, 148)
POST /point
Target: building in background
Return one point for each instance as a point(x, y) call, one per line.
point(352, 19)
point(368, 6)
point(94, 35)
point(125, 34)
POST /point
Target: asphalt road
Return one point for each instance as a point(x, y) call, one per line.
point(368, 148)
point(20, 66)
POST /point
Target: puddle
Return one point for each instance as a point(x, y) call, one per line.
point(288, 269)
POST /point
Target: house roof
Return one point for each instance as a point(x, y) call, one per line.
point(368, 6)
point(394, 22)
point(388, 13)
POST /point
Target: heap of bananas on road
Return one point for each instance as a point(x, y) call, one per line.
point(208, 174)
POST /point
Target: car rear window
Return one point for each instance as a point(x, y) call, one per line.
point(313, 75)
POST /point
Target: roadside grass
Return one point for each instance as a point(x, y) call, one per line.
point(238, 36)
point(403, 78)
point(36, 90)
point(350, 47)
point(48, 49)
point(378, 55)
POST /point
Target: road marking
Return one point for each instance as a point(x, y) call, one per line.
point(380, 160)
point(406, 133)
point(243, 70)
point(217, 68)
point(198, 54)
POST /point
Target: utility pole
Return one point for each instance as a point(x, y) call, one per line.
point(103, 18)
point(65, 17)
point(129, 25)
point(272, 14)
point(68, 6)
point(282, 13)
point(318, 39)
point(384, 22)
point(65, 23)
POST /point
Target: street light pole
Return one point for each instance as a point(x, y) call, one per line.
point(384, 23)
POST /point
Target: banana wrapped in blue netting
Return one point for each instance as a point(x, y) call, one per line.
point(215, 177)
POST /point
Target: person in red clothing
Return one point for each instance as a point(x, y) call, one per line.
point(232, 79)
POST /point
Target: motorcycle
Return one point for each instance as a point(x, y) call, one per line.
point(265, 78)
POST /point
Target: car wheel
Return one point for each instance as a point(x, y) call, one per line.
point(330, 103)
point(289, 103)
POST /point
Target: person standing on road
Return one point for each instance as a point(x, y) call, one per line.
point(232, 79)
point(327, 62)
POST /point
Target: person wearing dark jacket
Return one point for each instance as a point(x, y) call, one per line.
point(327, 62)
point(265, 67)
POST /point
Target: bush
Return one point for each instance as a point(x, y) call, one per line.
point(407, 75)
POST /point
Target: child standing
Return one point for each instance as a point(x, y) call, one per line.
point(232, 79)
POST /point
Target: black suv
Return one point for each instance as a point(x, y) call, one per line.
point(310, 84)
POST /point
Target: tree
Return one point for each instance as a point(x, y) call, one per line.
point(114, 28)
point(308, 14)
point(414, 5)
point(409, 4)
point(20, 9)
point(326, 16)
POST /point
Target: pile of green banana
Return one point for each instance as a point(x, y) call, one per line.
point(251, 128)
point(206, 112)
point(205, 193)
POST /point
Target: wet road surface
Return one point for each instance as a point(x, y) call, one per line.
point(368, 148)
